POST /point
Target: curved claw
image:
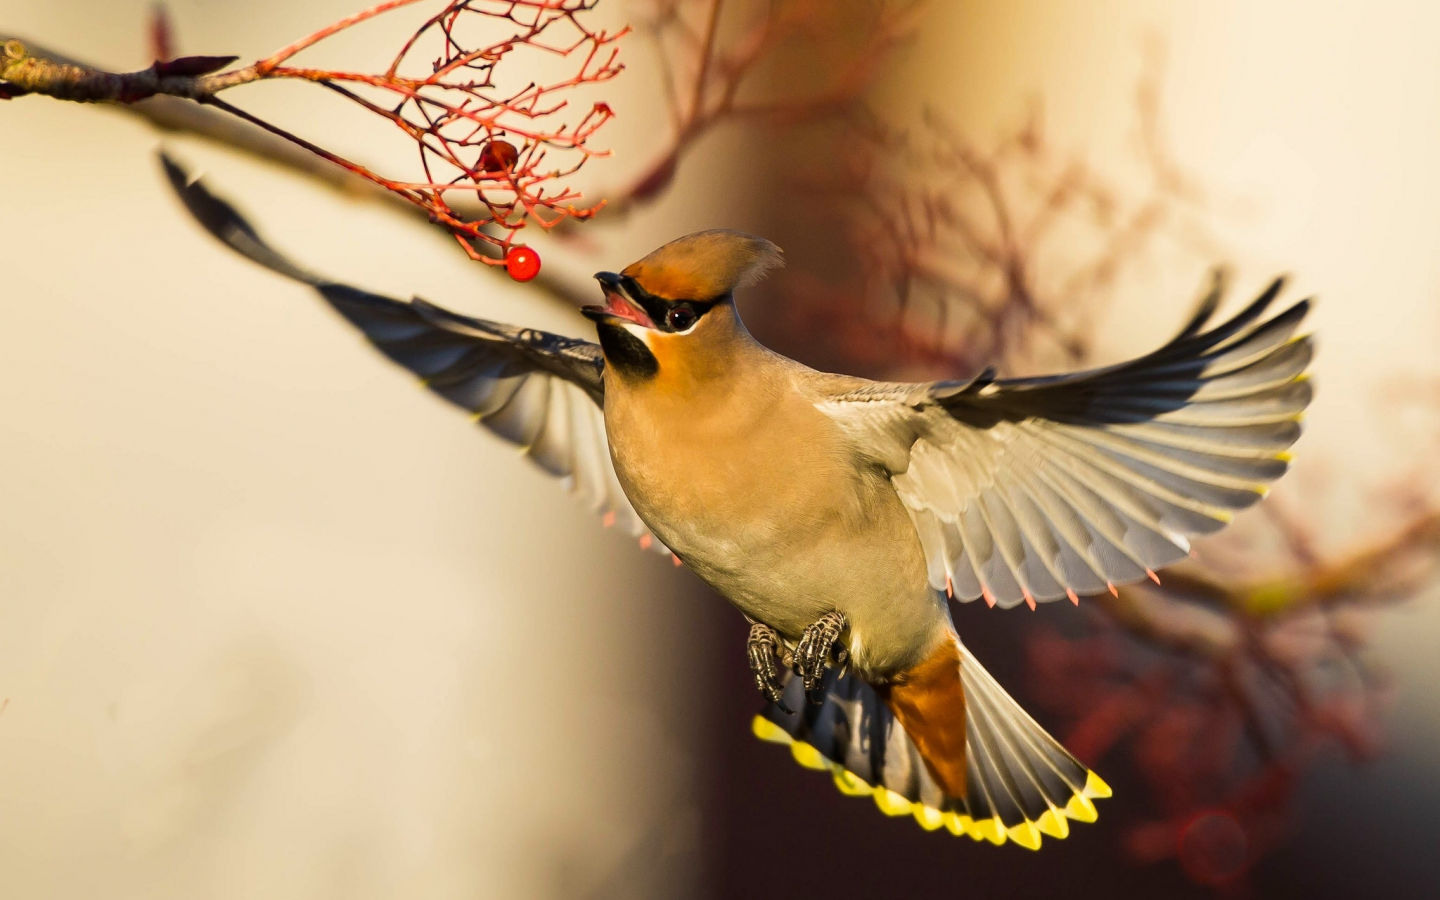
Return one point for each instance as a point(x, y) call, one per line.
point(762, 647)
point(812, 654)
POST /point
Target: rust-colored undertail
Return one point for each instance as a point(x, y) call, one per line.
point(929, 701)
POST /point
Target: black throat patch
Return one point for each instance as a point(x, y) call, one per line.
point(626, 353)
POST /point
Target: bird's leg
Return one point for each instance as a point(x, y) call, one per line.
point(763, 647)
point(812, 654)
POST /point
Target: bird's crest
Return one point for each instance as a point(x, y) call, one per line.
point(706, 265)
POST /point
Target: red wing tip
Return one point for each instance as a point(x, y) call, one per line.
point(1153, 577)
point(949, 588)
point(1113, 591)
point(674, 560)
point(1029, 600)
point(1074, 598)
point(645, 541)
point(989, 597)
point(608, 519)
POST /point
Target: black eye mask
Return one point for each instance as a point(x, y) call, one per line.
point(668, 315)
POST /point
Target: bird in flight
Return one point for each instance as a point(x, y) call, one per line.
point(840, 514)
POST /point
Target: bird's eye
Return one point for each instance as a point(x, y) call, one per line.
point(680, 318)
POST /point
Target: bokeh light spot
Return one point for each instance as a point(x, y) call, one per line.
point(1214, 848)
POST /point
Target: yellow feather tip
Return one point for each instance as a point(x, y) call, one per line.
point(1026, 835)
point(891, 803)
point(992, 830)
point(929, 817)
point(1054, 824)
point(1096, 787)
point(852, 785)
point(1081, 809)
point(809, 757)
point(766, 730)
point(958, 824)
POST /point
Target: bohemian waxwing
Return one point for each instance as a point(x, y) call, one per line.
point(838, 513)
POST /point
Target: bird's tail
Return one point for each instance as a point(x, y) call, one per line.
point(1019, 783)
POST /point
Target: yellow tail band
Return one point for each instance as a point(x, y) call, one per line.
point(1027, 834)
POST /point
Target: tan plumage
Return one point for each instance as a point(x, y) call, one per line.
point(706, 264)
point(799, 495)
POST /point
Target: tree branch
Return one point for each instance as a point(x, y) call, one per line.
point(191, 77)
point(177, 115)
point(453, 113)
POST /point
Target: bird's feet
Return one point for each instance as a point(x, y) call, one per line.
point(812, 654)
point(764, 649)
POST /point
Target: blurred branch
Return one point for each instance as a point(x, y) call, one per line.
point(967, 254)
point(713, 53)
point(956, 248)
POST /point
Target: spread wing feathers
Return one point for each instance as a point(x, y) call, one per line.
point(1022, 783)
point(1039, 488)
point(539, 391)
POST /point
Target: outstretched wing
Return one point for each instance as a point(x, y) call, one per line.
point(1038, 488)
point(540, 391)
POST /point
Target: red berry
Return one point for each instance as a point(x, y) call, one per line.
point(522, 263)
point(498, 156)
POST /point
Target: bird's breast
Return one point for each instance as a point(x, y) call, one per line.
point(725, 480)
point(765, 500)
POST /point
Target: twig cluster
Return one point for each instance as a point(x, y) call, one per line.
point(785, 62)
point(966, 255)
point(478, 132)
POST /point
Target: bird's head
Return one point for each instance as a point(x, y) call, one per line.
point(679, 300)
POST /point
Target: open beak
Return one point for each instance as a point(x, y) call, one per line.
point(618, 307)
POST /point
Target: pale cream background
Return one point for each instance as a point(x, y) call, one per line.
point(274, 622)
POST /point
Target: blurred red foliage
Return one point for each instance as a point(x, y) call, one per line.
point(1222, 691)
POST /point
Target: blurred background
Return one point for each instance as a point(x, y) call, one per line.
point(274, 622)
